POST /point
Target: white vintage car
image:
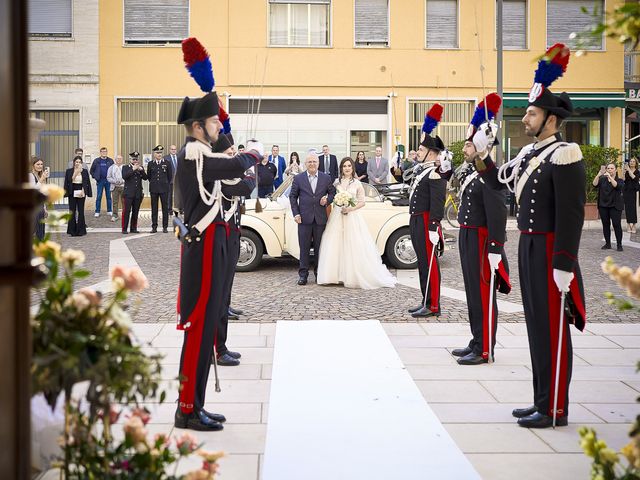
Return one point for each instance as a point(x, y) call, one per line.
point(273, 231)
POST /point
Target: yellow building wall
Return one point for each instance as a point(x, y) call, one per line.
point(236, 34)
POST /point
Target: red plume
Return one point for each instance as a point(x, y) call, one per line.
point(193, 51)
point(493, 102)
point(435, 112)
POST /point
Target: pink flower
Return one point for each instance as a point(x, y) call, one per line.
point(141, 413)
point(134, 428)
point(161, 440)
point(186, 444)
point(132, 278)
point(91, 295)
point(198, 475)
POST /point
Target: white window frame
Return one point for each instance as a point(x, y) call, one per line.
point(457, 47)
point(604, 38)
point(375, 45)
point(170, 44)
point(528, 35)
point(329, 26)
point(55, 36)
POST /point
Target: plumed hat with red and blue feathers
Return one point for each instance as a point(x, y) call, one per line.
point(551, 66)
point(492, 102)
point(431, 120)
point(198, 64)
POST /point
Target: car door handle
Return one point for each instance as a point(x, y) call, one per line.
point(276, 218)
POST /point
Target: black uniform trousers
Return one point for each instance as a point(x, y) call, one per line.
point(541, 301)
point(131, 207)
point(233, 254)
point(309, 234)
point(419, 228)
point(608, 216)
point(170, 198)
point(164, 201)
point(77, 225)
point(476, 273)
point(201, 301)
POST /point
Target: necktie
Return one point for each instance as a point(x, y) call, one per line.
point(312, 181)
point(326, 164)
point(377, 162)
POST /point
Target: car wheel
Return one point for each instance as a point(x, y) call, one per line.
point(251, 251)
point(399, 250)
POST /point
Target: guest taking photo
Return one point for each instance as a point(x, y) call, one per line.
point(77, 187)
point(610, 203)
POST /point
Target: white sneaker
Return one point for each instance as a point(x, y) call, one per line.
point(97, 214)
point(110, 214)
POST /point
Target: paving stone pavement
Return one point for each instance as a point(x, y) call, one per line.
point(270, 293)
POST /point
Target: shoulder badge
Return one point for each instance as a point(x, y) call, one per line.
point(567, 154)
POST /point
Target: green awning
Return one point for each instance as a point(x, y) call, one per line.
point(579, 100)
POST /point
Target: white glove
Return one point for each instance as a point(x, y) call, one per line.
point(257, 146)
point(434, 238)
point(562, 279)
point(445, 157)
point(494, 260)
point(484, 138)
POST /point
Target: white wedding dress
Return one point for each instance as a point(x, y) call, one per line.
point(348, 254)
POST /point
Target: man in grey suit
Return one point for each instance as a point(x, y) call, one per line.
point(311, 192)
point(172, 158)
point(378, 168)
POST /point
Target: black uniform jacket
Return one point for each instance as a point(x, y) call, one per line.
point(484, 206)
point(68, 183)
point(160, 176)
point(133, 181)
point(216, 166)
point(553, 197)
point(428, 196)
point(240, 189)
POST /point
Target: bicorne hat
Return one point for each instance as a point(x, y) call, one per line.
point(551, 66)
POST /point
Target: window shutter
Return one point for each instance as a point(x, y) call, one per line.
point(442, 24)
point(566, 16)
point(372, 22)
point(514, 24)
point(156, 21)
point(50, 17)
point(323, 2)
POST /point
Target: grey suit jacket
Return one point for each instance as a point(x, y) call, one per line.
point(381, 172)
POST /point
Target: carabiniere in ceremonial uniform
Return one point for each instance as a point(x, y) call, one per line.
point(132, 194)
point(160, 173)
point(548, 178)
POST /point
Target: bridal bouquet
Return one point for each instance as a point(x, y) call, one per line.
point(344, 199)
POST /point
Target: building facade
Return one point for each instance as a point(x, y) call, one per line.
point(64, 80)
point(350, 74)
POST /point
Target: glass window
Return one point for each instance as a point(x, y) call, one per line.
point(453, 126)
point(50, 18)
point(299, 23)
point(567, 16)
point(155, 21)
point(514, 24)
point(442, 24)
point(372, 23)
point(365, 141)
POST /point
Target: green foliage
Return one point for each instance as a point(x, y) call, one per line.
point(458, 156)
point(594, 157)
point(621, 24)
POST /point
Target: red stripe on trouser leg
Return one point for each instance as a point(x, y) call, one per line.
point(485, 287)
point(194, 335)
point(553, 295)
point(124, 209)
point(433, 289)
point(179, 276)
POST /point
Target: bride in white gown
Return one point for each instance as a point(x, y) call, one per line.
point(348, 254)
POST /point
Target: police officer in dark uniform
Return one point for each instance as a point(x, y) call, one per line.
point(483, 218)
point(132, 195)
point(160, 173)
point(426, 206)
point(232, 193)
point(548, 178)
point(204, 266)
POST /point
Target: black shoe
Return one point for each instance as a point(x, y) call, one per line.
point(135, 231)
point(606, 246)
point(232, 316)
point(197, 420)
point(234, 354)
point(538, 420)
point(425, 312)
point(216, 417)
point(235, 311)
point(414, 309)
point(154, 230)
point(472, 359)
point(164, 230)
point(620, 249)
point(302, 281)
point(461, 352)
point(124, 232)
point(524, 412)
point(226, 360)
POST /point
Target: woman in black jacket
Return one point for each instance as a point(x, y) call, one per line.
point(77, 187)
point(610, 203)
point(631, 186)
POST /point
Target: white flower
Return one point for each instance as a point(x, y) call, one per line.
point(343, 199)
point(71, 257)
